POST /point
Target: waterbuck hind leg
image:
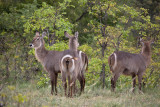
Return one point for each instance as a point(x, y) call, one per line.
point(112, 84)
point(113, 81)
point(134, 82)
point(83, 83)
point(72, 89)
point(80, 78)
point(69, 81)
point(52, 86)
point(72, 85)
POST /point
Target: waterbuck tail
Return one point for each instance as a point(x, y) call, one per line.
point(112, 61)
point(68, 63)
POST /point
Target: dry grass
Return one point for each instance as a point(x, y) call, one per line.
point(96, 97)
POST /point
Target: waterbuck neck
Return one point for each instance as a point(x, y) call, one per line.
point(146, 52)
point(73, 45)
point(40, 53)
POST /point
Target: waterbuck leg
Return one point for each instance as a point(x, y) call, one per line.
point(64, 82)
point(72, 84)
point(112, 84)
point(52, 87)
point(52, 76)
point(72, 89)
point(80, 78)
point(113, 81)
point(69, 81)
point(56, 76)
point(134, 82)
point(83, 78)
point(140, 82)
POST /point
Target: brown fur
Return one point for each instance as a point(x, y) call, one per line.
point(80, 62)
point(49, 60)
point(84, 66)
point(130, 64)
point(67, 71)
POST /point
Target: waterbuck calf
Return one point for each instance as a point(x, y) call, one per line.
point(73, 44)
point(70, 64)
point(49, 59)
point(130, 64)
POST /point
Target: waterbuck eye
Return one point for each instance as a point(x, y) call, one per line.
point(37, 39)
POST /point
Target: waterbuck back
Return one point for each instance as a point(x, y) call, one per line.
point(130, 64)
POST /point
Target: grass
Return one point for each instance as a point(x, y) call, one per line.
point(27, 95)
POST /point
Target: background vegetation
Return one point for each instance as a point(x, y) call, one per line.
point(103, 26)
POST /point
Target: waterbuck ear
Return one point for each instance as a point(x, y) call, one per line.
point(37, 33)
point(44, 34)
point(141, 40)
point(76, 34)
point(151, 41)
point(66, 34)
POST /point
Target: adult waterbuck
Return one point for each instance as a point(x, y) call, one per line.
point(73, 44)
point(48, 59)
point(130, 64)
point(71, 65)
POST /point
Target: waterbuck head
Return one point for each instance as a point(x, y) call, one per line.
point(146, 46)
point(73, 40)
point(37, 41)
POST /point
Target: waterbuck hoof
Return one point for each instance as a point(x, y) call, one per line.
point(71, 84)
point(141, 92)
point(51, 93)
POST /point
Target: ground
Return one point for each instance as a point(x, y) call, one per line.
point(28, 95)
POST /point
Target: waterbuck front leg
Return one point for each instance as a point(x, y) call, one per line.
point(64, 82)
point(52, 77)
point(56, 76)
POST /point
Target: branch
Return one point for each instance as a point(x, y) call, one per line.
point(82, 15)
point(99, 42)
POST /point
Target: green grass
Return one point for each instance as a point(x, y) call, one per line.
point(28, 95)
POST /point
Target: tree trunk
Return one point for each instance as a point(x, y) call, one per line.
point(7, 67)
point(103, 66)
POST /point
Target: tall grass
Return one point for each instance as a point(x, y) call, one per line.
point(28, 95)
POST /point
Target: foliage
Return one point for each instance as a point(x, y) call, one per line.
point(17, 98)
point(44, 81)
point(49, 17)
point(104, 26)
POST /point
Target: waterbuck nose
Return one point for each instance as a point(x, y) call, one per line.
point(30, 44)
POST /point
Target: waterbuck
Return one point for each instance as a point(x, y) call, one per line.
point(73, 44)
point(70, 64)
point(48, 59)
point(130, 64)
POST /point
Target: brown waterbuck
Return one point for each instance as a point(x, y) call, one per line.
point(48, 59)
point(73, 44)
point(130, 64)
point(70, 65)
